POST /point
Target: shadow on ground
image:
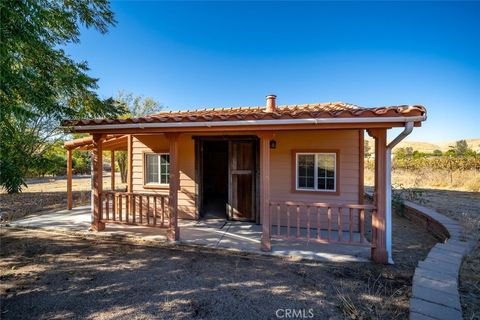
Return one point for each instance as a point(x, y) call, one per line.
point(47, 275)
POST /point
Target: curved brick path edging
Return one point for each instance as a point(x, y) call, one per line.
point(435, 282)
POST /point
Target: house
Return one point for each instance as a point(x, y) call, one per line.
point(297, 169)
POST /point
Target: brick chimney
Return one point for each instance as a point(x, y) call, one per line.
point(270, 107)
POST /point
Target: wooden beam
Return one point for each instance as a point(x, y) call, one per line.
point(265, 138)
point(130, 163)
point(97, 177)
point(112, 170)
point(173, 233)
point(69, 180)
point(361, 165)
point(379, 234)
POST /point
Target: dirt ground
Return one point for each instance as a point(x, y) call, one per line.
point(464, 207)
point(49, 275)
point(47, 194)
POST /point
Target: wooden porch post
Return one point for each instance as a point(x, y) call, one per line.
point(265, 138)
point(130, 163)
point(379, 234)
point(112, 170)
point(173, 233)
point(97, 177)
point(69, 180)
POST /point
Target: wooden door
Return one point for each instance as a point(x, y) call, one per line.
point(241, 178)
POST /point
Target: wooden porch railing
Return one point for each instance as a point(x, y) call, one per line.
point(135, 209)
point(320, 222)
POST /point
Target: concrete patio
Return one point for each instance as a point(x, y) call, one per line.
point(211, 233)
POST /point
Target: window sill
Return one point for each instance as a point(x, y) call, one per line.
point(156, 186)
point(324, 192)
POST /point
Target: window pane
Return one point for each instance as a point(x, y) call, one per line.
point(164, 168)
point(326, 171)
point(321, 172)
point(152, 168)
point(310, 183)
point(306, 171)
point(330, 184)
point(321, 183)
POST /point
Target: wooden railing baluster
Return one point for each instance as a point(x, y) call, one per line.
point(362, 225)
point(329, 217)
point(155, 210)
point(278, 219)
point(298, 221)
point(148, 210)
point(318, 223)
point(114, 206)
point(140, 211)
point(134, 207)
point(308, 222)
point(127, 207)
point(107, 205)
point(163, 210)
point(288, 221)
point(350, 223)
point(339, 221)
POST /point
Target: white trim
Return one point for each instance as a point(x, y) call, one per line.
point(145, 174)
point(248, 123)
point(315, 172)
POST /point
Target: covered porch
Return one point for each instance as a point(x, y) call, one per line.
point(313, 228)
point(286, 209)
point(214, 234)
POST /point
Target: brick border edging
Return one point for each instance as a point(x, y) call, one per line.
point(435, 282)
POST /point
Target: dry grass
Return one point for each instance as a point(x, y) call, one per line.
point(380, 299)
point(47, 194)
point(470, 285)
point(460, 180)
point(457, 195)
point(46, 275)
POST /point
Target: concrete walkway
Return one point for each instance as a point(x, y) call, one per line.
point(435, 283)
point(212, 233)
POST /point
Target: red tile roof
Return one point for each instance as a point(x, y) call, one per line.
point(321, 110)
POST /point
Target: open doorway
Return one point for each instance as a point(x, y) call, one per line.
point(215, 179)
point(226, 175)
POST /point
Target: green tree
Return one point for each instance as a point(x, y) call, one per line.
point(40, 84)
point(400, 153)
point(437, 153)
point(136, 106)
point(367, 149)
point(409, 152)
point(461, 148)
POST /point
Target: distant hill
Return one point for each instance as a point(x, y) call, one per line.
point(440, 145)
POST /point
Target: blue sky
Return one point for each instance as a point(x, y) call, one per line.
point(221, 54)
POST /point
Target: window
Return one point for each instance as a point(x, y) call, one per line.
point(316, 171)
point(157, 168)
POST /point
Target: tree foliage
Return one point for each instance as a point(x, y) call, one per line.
point(367, 150)
point(136, 106)
point(40, 84)
point(461, 148)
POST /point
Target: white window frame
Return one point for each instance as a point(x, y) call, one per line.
point(145, 166)
point(315, 172)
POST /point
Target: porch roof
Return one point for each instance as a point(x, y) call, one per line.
point(338, 112)
point(111, 142)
